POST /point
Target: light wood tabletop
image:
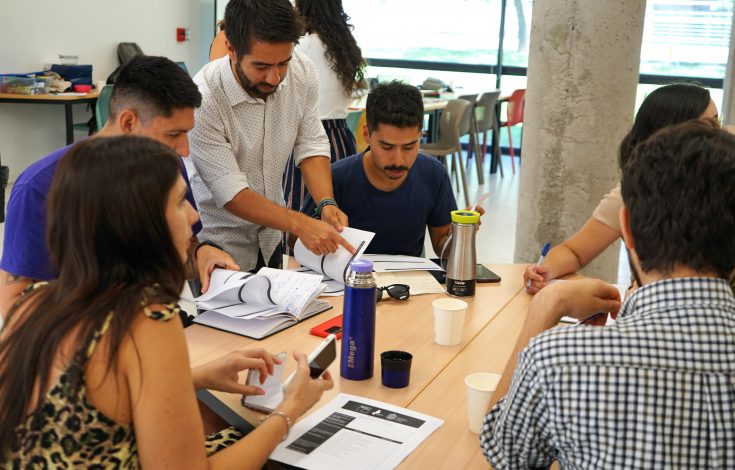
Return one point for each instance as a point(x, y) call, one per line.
point(453, 445)
point(434, 104)
point(7, 97)
point(407, 326)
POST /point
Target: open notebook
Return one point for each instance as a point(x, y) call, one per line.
point(258, 305)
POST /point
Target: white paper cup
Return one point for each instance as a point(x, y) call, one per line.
point(480, 388)
point(448, 320)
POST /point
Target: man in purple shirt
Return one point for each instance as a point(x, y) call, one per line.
point(152, 97)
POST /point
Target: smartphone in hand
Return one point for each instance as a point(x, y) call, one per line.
point(320, 359)
point(272, 386)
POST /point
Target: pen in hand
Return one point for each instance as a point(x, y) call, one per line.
point(544, 251)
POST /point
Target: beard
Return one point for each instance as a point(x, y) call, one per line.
point(252, 88)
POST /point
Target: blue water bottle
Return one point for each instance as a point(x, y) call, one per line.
point(358, 322)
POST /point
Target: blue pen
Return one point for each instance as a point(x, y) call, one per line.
point(544, 251)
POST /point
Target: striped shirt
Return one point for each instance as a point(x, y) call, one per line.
point(654, 390)
point(241, 142)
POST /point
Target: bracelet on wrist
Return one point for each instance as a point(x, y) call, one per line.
point(322, 204)
point(284, 416)
point(207, 243)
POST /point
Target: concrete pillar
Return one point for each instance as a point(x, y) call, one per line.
point(582, 77)
point(728, 100)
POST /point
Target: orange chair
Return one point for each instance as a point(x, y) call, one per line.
point(514, 115)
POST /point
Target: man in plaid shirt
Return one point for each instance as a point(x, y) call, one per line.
point(656, 389)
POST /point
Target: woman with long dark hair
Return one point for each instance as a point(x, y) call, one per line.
point(332, 48)
point(93, 372)
point(664, 106)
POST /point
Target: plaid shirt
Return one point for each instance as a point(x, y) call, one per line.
point(654, 390)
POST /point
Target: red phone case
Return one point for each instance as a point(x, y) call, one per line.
point(322, 328)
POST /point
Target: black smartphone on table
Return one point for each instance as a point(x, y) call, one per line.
point(483, 274)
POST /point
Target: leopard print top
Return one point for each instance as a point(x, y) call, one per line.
point(67, 431)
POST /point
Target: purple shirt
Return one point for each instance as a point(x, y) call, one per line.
point(25, 252)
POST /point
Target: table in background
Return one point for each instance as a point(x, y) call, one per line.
point(432, 108)
point(407, 326)
point(68, 101)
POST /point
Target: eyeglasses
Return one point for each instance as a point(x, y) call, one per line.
point(395, 291)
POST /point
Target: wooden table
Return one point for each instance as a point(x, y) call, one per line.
point(437, 372)
point(68, 101)
point(453, 445)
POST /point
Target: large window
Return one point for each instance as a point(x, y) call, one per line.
point(687, 38)
point(682, 38)
point(458, 41)
point(464, 31)
point(517, 32)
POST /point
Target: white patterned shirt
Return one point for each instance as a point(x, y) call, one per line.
point(244, 142)
point(656, 389)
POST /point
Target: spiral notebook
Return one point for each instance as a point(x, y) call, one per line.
point(259, 305)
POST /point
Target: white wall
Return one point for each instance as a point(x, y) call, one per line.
point(33, 33)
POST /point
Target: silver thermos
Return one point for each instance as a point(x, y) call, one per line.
point(462, 259)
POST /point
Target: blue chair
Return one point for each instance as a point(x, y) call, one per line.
point(102, 108)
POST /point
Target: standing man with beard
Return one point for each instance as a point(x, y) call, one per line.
point(260, 104)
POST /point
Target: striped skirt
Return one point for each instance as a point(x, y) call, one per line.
point(342, 144)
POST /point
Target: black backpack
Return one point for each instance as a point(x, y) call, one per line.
point(125, 52)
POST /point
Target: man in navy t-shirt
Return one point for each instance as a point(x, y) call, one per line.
point(391, 189)
point(152, 97)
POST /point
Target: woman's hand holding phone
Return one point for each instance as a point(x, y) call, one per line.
point(223, 374)
point(303, 392)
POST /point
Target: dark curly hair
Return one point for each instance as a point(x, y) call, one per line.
point(679, 189)
point(328, 19)
point(395, 104)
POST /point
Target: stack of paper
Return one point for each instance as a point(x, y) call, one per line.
point(389, 263)
point(419, 282)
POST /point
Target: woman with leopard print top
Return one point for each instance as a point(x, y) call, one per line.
point(93, 372)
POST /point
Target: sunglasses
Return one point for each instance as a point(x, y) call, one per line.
point(395, 291)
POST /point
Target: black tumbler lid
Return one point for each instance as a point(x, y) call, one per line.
point(396, 360)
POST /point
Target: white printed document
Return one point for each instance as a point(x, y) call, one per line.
point(419, 282)
point(388, 263)
point(335, 265)
point(356, 433)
